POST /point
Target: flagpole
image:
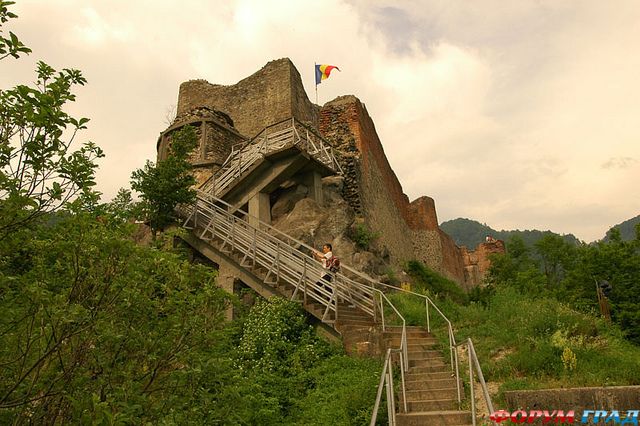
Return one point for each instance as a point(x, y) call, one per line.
point(315, 81)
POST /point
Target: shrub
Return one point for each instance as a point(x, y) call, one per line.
point(436, 283)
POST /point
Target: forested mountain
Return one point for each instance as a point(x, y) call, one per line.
point(627, 229)
point(469, 233)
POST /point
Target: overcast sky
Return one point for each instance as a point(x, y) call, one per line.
point(520, 114)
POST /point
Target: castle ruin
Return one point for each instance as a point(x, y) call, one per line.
point(228, 116)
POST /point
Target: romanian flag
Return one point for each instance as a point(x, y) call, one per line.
point(323, 72)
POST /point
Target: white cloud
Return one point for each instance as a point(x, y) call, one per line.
point(518, 114)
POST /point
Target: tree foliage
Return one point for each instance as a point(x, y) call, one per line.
point(11, 46)
point(89, 320)
point(570, 274)
point(40, 171)
point(470, 233)
point(168, 183)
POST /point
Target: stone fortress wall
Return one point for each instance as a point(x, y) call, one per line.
point(268, 96)
point(408, 230)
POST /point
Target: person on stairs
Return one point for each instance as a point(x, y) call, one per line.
point(328, 263)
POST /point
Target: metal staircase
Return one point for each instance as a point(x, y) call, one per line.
point(274, 263)
point(289, 133)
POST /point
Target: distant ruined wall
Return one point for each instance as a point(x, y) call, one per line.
point(477, 262)
point(408, 230)
point(270, 95)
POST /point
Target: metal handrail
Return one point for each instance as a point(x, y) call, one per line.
point(452, 340)
point(473, 362)
point(290, 263)
point(212, 218)
point(272, 138)
point(386, 380)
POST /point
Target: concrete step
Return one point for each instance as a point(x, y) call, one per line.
point(447, 383)
point(414, 344)
point(430, 369)
point(431, 394)
point(429, 376)
point(424, 354)
point(431, 405)
point(426, 362)
point(355, 315)
point(411, 334)
point(435, 418)
point(355, 323)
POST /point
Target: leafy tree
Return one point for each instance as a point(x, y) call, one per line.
point(39, 169)
point(11, 46)
point(168, 183)
point(556, 255)
point(516, 268)
point(95, 327)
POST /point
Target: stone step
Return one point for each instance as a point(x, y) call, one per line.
point(426, 362)
point(351, 326)
point(431, 394)
point(354, 315)
point(449, 382)
point(431, 405)
point(435, 418)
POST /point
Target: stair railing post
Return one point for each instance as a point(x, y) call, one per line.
point(254, 244)
point(382, 314)
point(457, 377)
point(404, 391)
point(304, 281)
point(195, 215)
point(391, 391)
point(473, 399)
point(337, 294)
point(426, 302)
point(375, 308)
point(233, 232)
point(278, 263)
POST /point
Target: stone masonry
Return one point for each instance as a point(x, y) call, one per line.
point(216, 136)
point(268, 96)
point(228, 114)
